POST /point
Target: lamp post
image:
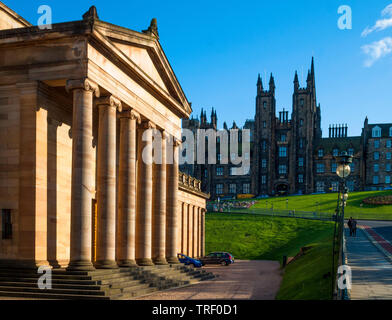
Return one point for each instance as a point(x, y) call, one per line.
point(343, 171)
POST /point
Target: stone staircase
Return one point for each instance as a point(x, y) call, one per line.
point(117, 284)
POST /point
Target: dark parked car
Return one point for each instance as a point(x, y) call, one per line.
point(223, 258)
point(188, 260)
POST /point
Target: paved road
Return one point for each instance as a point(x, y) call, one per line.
point(384, 228)
point(371, 271)
point(255, 280)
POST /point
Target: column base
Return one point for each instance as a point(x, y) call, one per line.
point(106, 264)
point(80, 265)
point(144, 262)
point(172, 260)
point(127, 263)
point(160, 261)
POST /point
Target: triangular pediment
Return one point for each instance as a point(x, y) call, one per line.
point(9, 19)
point(142, 59)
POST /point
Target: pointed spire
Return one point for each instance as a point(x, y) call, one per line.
point(272, 84)
point(91, 14)
point(152, 29)
point(296, 77)
point(312, 68)
point(259, 85)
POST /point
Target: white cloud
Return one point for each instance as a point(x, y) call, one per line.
point(377, 50)
point(381, 24)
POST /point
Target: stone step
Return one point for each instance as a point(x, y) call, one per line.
point(54, 286)
point(59, 281)
point(135, 294)
point(53, 291)
point(52, 296)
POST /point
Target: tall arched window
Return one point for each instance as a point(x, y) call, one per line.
point(376, 132)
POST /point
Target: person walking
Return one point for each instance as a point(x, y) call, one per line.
point(350, 225)
point(354, 227)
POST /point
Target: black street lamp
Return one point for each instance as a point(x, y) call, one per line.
point(343, 171)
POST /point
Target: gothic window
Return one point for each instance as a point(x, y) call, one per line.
point(219, 171)
point(282, 169)
point(300, 162)
point(232, 188)
point(265, 105)
point(320, 168)
point(301, 143)
point(301, 122)
point(320, 186)
point(219, 157)
point(219, 188)
point(205, 173)
point(282, 152)
point(300, 178)
point(264, 146)
point(264, 124)
point(246, 188)
point(376, 132)
point(263, 179)
point(376, 155)
point(301, 102)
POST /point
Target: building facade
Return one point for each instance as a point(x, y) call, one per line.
point(78, 187)
point(288, 153)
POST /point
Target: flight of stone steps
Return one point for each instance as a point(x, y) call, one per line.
point(122, 283)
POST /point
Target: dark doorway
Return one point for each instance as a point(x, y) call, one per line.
point(282, 189)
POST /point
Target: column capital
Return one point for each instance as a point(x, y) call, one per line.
point(165, 135)
point(110, 101)
point(148, 125)
point(176, 142)
point(85, 84)
point(131, 114)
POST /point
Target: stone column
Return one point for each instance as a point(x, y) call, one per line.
point(159, 212)
point(203, 235)
point(106, 182)
point(144, 214)
point(172, 207)
point(190, 230)
point(195, 232)
point(198, 231)
point(127, 189)
point(184, 228)
point(82, 172)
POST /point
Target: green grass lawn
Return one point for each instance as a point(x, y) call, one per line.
point(303, 278)
point(327, 203)
point(256, 237)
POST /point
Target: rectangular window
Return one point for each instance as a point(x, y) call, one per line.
point(264, 146)
point(335, 186)
point(376, 168)
point(320, 168)
point(300, 178)
point(388, 156)
point(321, 153)
point(233, 188)
point(375, 180)
point(264, 124)
point(387, 179)
point(263, 179)
point(320, 186)
point(389, 144)
point(219, 188)
point(282, 152)
point(335, 152)
point(388, 167)
point(282, 169)
point(6, 224)
point(334, 166)
point(264, 163)
point(205, 173)
point(352, 167)
point(376, 144)
point(219, 157)
point(283, 137)
point(376, 156)
point(246, 188)
point(300, 162)
point(219, 171)
point(301, 143)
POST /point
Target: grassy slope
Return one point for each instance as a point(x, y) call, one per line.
point(259, 237)
point(327, 203)
point(303, 279)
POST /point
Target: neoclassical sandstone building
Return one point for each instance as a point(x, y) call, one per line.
point(75, 192)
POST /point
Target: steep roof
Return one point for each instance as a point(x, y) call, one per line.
point(328, 144)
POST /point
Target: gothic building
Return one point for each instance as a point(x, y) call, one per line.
point(289, 155)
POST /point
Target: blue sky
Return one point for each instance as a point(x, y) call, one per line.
point(217, 50)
